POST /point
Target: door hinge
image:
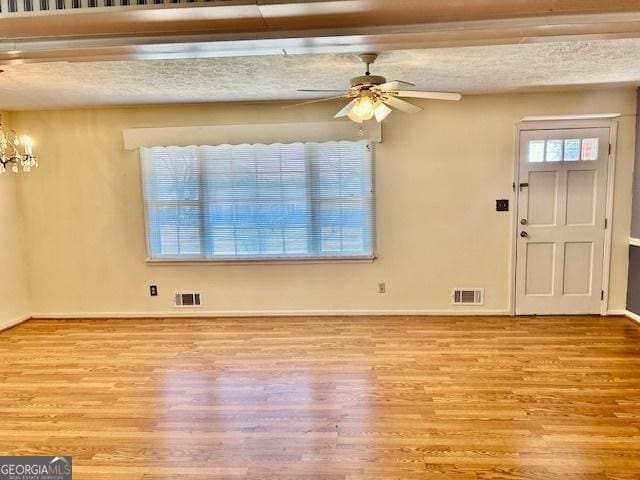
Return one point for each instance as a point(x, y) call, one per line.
point(513, 186)
point(606, 223)
point(609, 149)
point(601, 294)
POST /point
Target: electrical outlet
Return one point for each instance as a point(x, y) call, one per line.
point(153, 290)
point(382, 288)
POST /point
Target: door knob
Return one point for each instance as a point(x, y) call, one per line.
point(524, 234)
point(523, 221)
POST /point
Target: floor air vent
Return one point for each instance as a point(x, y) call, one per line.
point(467, 296)
point(187, 299)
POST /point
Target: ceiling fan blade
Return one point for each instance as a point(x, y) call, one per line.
point(315, 101)
point(313, 90)
point(381, 112)
point(402, 105)
point(430, 95)
point(395, 85)
point(345, 110)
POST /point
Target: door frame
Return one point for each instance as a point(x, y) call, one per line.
point(582, 121)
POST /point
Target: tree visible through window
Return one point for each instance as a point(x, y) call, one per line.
point(302, 200)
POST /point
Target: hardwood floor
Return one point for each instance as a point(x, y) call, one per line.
point(326, 398)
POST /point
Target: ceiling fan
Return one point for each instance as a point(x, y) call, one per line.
point(372, 96)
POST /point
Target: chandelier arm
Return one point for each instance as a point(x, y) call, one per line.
point(11, 159)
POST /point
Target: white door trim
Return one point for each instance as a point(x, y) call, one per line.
point(595, 122)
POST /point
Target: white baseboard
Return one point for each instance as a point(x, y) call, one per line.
point(278, 313)
point(12, 323)
point(625, 313)
point(633, 316)
point(270, 313)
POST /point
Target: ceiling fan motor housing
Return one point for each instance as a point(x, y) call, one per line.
point(368, 80)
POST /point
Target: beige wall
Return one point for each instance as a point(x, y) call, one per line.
point(14, 303)
point(438, 175)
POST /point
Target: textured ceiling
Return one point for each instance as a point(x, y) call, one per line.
point(467, 69)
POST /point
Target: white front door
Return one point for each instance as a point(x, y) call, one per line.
point(561, 220)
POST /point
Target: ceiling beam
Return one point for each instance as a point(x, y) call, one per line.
point(243, 16)
point(333, 40)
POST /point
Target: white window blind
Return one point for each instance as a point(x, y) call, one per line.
point(257, 202)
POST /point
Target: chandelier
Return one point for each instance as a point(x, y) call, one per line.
point(15, 152)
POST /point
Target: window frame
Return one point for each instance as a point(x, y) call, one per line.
point(274, 260)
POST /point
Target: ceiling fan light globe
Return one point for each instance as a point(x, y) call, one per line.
point(363, 109)
point(354, 117)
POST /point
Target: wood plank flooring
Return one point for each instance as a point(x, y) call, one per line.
point(326, 398)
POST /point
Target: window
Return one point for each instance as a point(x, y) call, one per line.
point(256, 202)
